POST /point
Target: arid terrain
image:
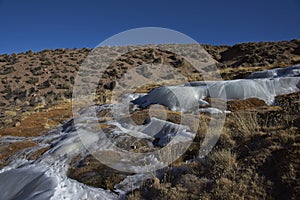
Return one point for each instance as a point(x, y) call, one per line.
point(256, 157)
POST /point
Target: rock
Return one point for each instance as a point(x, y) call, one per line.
point(36, 100)
point(110, 86)
point(26, 103)
point(4, 81)
point(17, 124)
point(8, 96)
point(32, 80)
point(7, 70)
point(44, 85)
point(21, 94)
point(178, 63)
point(37, 71)
point(18, 102)
point(10, 113)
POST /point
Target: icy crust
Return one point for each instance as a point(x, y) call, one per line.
point(292, 71)
point(46, 180)
point(26, 183)
point(161, 130)
point(178, 98)
point(264, 85)
point(119, 137)
point(71, 189)
point(264, 89)
point(46, 177)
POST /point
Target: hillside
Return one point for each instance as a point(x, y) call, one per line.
point(256, 156)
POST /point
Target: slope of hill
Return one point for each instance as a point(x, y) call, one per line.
point(256, 156)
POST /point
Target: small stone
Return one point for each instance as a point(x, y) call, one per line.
point(18, 102)
point(10, 113)
point(26, 103)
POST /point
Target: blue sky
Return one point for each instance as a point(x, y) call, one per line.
point(50, 24)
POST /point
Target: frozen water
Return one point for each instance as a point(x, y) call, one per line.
point(178, 98)
point(292, 71)
point(46, 177)
point(264, 85)
point(26, 183)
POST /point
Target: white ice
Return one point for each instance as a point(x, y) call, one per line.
point(264, 85)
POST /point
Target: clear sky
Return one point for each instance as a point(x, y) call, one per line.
point(50, 24)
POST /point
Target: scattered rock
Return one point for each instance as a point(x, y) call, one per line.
point(44, 85)
point(10, 113)
point(17, 124)
point(32, 80)
point(7, 70)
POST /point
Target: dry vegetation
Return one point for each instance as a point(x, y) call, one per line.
point(256, 157)
point(250, 161)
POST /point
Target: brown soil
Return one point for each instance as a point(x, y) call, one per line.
point(245, 104)
point(92, 172)
point(7, 150)
point(37, 123)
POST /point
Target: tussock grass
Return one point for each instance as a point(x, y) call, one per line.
point(246, 124)
point(220, 163)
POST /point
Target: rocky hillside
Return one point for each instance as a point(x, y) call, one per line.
point(47, 76)
point(256, 157)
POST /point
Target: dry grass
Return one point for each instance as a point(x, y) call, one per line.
point(246, 123)
point(220, 163)
point(7, 150)
point(241, 187)
point(252, 160)
point(36, 123)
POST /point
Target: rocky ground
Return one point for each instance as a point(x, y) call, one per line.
point(257, 156)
